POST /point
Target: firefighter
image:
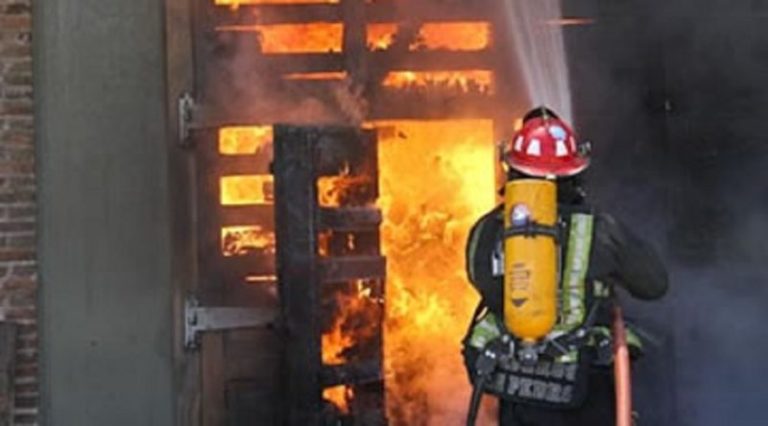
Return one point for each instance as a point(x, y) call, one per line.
point(563, 378)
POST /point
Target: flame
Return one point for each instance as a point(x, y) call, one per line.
point(244, 140)
point(239, 190)
point(467, 81)
point(351, 326)
point(314, 37)
point(380, 36)
point(437, 178)
point(333, 191)
point(240, 240)
point(457, 36)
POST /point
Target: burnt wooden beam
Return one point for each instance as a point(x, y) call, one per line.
point(434, 60)
point(350, 219)
point(249, 264)
point(391, 104)
point(304, 62)
point(355, 41)
point(435, 12)
point(349, 268)
point(273, 14)
point(352, 373)
point(268, 14)
point(296, 231)
point(261, 214)
point(241, 165)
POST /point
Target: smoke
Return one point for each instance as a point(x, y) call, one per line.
point(242, 83)
point(672, 94)
point(538, 41)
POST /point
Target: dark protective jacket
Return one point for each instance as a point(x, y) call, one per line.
point(618, 257)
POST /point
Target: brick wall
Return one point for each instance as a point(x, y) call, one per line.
point(18, 271)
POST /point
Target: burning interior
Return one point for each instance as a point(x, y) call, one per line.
point(428, 95)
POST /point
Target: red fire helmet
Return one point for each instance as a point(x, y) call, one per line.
point(545, 147)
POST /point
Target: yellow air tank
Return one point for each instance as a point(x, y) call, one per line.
point(530, 260)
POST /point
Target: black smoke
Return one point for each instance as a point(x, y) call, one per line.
point(673, 95)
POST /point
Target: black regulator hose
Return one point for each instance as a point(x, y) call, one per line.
point(474, 402)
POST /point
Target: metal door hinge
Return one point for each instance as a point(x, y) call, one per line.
point(198, 319)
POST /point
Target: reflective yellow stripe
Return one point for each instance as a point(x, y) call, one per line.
point(484, 331)
point(572, 288)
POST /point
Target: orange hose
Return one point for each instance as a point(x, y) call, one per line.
point(621, 372)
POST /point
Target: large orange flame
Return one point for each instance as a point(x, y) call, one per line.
point(458, 36)
point(314, 37)
point(437, 178)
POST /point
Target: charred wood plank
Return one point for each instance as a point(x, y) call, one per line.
point(267, 14)
point(394, 104)
point(352, 373)
point(241, 165)
point(435, 12)
point(304, 62)
point(435, 60)
point(352, 268)
point(254, 263)
point(350, 219)
point(374, 13)
point(296, 230)
point(262, 215)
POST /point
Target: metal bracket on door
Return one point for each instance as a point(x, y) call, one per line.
point(193, 115)
point(198, 319)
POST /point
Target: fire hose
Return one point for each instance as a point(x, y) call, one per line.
point(621, 371)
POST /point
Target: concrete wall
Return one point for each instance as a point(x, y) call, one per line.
point(106, 309)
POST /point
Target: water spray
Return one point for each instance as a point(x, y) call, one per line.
point(540, 52)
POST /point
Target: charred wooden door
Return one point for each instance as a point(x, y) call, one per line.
point(235, 240)
point(330, 274)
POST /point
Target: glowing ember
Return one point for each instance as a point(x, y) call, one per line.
point(258, 279)
point(437, 178)
point(241, 240)
point(294, 38)
point(244, 140)
point(457, 36)
point(246, 190)
point(467, 81)
point(316, 76)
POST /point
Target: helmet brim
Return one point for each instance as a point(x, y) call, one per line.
point(569, 169)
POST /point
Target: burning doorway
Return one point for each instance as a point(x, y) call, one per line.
point(428, 79)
